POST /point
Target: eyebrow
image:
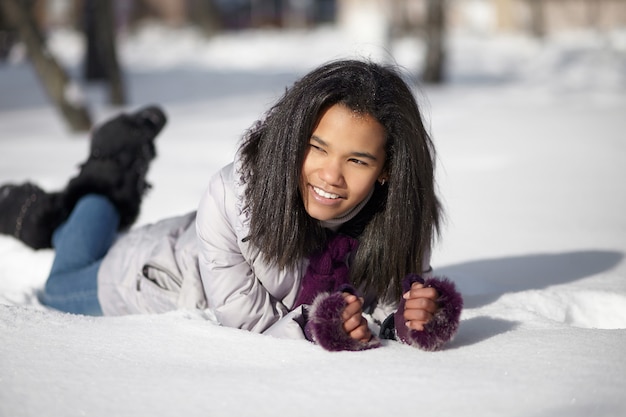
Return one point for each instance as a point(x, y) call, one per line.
point(357, 154)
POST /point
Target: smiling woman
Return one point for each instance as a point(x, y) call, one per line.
point(320, 229)
point(345, 157)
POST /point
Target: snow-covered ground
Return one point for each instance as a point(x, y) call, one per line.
point(530, 168)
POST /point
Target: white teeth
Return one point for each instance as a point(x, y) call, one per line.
point(324, 193)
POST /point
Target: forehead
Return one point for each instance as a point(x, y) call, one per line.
point(340, 123)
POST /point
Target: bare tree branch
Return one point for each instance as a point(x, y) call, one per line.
point(57, 84)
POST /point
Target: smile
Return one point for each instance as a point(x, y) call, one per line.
point(324, 194)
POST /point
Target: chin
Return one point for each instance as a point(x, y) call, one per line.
point(325, 216)
point(321, 218)
point(320, 215)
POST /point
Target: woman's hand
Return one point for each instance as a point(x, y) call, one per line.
point(353, 321)
point(420, 305)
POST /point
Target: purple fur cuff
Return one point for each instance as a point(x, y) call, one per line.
point(445, 322)
point(325, 326)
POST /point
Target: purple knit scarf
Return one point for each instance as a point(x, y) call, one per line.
point(327, 270)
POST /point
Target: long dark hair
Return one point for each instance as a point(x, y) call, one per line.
point(402, 227)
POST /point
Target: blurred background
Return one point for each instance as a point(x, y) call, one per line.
point(72, 44)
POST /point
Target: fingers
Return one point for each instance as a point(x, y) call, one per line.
point(353, 306)
point(352, 313)
point(419, 291)
point(420, 305)
point(416, 319)
point(353, 321)
point(362, 332)
point(425, 304)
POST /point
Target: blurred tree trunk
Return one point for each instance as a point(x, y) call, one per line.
point(537, 18)
point(55, 81)
point(205, 15)
point(435, 36)
point(594, 12)
point(8, 37)
point(504, 14)
point(101, 53)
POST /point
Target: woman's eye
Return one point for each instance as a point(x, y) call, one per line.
point(358, 162)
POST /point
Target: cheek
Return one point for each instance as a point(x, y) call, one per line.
point(362, 184)
point(306, 162)
point(304, 174)
point(310, 166)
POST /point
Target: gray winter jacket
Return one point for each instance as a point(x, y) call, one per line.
point(198, 262)
point(203, 261)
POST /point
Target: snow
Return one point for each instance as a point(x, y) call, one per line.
point(73, 94)
point(531, 156)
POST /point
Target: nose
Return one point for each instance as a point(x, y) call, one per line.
point(331, 173)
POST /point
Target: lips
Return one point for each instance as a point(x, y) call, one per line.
point(325, 194)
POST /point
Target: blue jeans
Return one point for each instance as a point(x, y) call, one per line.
point(80, 244)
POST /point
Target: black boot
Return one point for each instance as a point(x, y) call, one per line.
point(119, 158)
point(30, 214)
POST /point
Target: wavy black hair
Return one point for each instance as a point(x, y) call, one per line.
point(406, 218)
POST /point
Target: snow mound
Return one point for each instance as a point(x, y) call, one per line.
point(582, 309)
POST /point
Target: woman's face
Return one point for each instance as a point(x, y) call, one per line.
point(345, 157)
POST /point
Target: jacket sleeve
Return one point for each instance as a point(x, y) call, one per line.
point(234, 293)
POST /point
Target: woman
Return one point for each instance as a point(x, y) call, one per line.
point(324, 219)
